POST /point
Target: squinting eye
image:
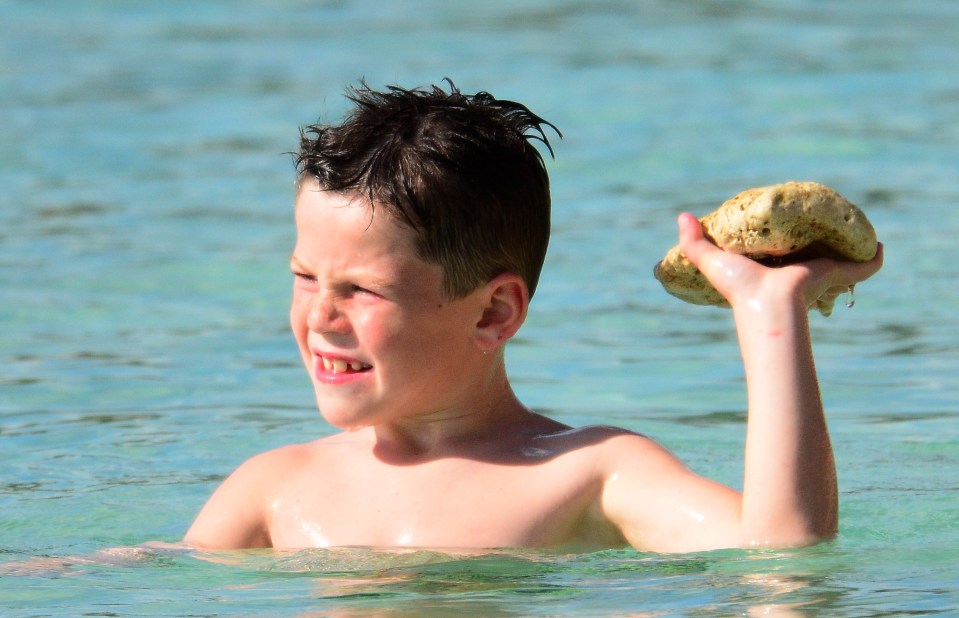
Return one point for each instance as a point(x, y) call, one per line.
point(364, 292)
point(304, 277)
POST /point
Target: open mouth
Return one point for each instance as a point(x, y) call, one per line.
point(339, 365)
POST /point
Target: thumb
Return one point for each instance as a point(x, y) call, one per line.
point(689, 227)
point(692, 241)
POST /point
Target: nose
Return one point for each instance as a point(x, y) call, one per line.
point(325, 315)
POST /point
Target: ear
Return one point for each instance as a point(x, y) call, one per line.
point(506, 301)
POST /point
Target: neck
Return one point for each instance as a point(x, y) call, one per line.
point(452, 430)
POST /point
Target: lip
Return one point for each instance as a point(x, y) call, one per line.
point(345, 372)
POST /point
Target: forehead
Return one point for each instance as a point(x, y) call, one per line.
point(346, 229)
point(330, 211)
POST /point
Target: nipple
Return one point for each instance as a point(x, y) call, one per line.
point(850, 296)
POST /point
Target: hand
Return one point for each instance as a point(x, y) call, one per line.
point(746, 282)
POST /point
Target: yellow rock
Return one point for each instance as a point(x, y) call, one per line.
point(778, 224)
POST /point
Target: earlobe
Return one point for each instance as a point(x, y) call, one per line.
point(506, 299)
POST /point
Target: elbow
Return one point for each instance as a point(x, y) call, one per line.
point(796, 524)
point(794, 536)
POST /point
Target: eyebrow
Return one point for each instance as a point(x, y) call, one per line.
point(372, 279)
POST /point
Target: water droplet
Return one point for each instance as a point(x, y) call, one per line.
point(850, 296)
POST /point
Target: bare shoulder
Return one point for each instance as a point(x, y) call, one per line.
point(236, 515)
point(614, 446)
point(261, 469)
point(282, 456)
point(628, 475)
point(654, 500)
point(285, 466)
point(624, 446)
point(604, 452)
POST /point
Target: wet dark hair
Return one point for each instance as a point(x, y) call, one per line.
point(461, 170)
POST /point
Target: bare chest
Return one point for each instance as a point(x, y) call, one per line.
point(441, 504)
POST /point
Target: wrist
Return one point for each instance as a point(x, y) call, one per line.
point(769, 300)
point(772, 313)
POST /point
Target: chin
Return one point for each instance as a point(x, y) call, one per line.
point(341, 422)
point(347, 420)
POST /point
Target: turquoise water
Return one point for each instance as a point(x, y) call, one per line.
point(145, 224)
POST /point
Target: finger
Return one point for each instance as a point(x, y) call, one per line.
point(690, 229)
point(838, 276)
point(854, 272)
point(871, 267)
point(692, 241)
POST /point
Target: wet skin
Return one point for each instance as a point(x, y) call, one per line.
point(438, 452)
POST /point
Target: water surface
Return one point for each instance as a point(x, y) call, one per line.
point(145, 224)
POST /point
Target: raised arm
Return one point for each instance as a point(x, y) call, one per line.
point(789, 492)
point(789, 487)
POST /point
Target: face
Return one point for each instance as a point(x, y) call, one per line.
point(380, 340)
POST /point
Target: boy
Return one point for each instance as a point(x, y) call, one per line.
point(422, 224)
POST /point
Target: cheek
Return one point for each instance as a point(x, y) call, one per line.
point(437, 337)
point(375, 331)
point(298, 318)
point(385, 334)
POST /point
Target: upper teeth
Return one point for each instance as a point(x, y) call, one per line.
point(338, 365)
